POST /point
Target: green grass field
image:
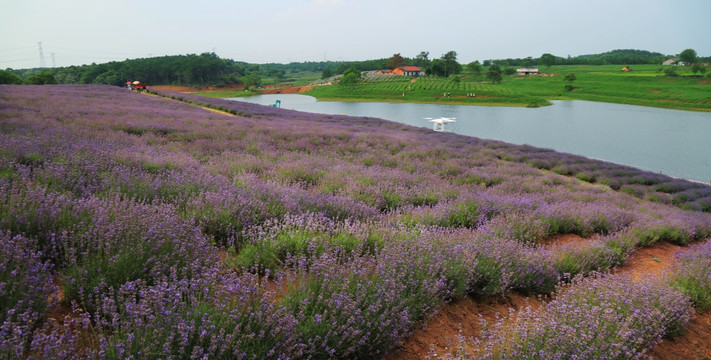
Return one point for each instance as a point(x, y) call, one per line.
point(644, 85)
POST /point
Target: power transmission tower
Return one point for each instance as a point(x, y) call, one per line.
point(54, 63)
point(42, 62)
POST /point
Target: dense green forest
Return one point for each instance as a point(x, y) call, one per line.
point(209, 69)
point(614, 57)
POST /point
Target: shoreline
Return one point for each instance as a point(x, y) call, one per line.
point(454, 102)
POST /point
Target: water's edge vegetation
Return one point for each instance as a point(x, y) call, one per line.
point(138, 226)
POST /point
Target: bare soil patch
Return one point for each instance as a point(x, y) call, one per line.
point(285, 90)
point(562, 239)
point(460, 317)
point(649, 260)
point(694, 344)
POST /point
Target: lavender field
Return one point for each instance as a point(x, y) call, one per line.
point(135, 226)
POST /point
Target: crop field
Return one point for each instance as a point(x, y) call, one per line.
point(426, 89)
point(146, 227)
point(644, 85)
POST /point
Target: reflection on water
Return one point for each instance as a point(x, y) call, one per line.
point(673, 142)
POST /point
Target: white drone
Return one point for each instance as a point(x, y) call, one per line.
point(439, 123)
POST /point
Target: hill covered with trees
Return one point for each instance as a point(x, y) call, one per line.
point(209, 69)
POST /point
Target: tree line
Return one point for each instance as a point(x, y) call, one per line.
point(192, 69)
point(209, 69)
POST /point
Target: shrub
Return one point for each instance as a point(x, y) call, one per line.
point(601, 317)
point(587, 177)
point(692, 274)
point(25, 287)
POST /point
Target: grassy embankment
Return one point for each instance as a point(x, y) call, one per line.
point(645, 85)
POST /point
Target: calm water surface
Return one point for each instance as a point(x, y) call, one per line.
point(673, 142)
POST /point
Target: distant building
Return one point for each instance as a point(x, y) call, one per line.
point(408, 71)
point(384, 72)
point(527, 71)
point(670, 61)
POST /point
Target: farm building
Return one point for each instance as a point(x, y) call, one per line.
point(384, 72)
point(527, 71)
point(670, 61)
point(408, 71)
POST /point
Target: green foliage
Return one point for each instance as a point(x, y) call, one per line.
point(671, 72)
point(649, 236)
point(617, 57)
point(351, 77)
point(451, 66)
point(587, 177)
point(603, 83)
point(475, 68)
point(270, 254)
point(697, 290)
point(436, 68)
point(42, 79)
point(548, 60)
point(99, 269)
point(326, 73)
point(206, 68)
point(688, 56)
point(570, 78)
point(422, 59)
point(494, 74)
point(462, 214)
point(31, 159)
point(253, 80)
point(7, 77)
point(698, 68)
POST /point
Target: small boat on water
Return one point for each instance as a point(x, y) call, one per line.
point(438, 123)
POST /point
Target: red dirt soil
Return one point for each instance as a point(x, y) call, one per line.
point(285, 90)
point(463, 316)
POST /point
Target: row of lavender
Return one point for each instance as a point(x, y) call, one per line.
point(642, 184)
point(339, 237)
point(614, 316)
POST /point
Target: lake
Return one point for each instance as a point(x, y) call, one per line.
point(672, 142)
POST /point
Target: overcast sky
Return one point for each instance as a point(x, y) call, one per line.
point(77, 32)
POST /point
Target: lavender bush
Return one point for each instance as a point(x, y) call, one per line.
point(25, 289)
point(178, 232)
point(692, 274)
point(611, 317)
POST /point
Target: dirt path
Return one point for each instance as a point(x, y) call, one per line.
point(460, 317)
point(463, 316)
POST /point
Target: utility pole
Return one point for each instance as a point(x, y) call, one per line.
point(54, 63)
point(42, 62)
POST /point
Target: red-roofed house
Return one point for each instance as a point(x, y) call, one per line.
point(408, 71)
